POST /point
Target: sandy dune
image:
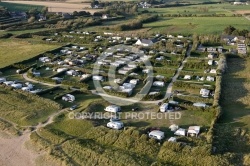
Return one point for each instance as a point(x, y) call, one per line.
point(13, 152)
point(59, 6)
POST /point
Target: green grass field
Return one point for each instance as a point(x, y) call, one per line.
point(24, 108)
point(235, 93)
point(198, 25)
point(15, 50)
point(20, 7)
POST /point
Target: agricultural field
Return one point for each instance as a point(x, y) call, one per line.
point(197, 25)
point(20, 7)
point(16, 50)
point(58, 6)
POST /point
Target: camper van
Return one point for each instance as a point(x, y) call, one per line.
point(115, 125)
point(156, 134)
point(113, 108)
point(164, 107)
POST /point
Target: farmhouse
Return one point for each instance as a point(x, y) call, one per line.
point(156, 134)
point(193, 130)
point(113, 108)
point(158, 83)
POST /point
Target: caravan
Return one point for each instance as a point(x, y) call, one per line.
point(115, 125)
point(156, 134)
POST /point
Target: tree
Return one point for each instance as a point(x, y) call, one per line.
point(229, 30)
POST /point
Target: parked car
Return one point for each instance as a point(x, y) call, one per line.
point(73, 107)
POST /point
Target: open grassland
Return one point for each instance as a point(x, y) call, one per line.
point(198, 25)
point(20, 7)
point(15, 50)
point(25, 108)
point(236, 93)
point(59, 6)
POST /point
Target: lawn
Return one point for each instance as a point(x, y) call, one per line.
point(20, 7)
point(15, 50)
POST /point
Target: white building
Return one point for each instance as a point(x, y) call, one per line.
point(210, 62)
point(187, 77)
point(204, 92)
point(210, 78)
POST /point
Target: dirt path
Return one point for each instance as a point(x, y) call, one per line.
point(13, 151)
point(35, 81)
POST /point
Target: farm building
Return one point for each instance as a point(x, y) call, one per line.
point(156, 134)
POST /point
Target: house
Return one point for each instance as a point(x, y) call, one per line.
point(158, 83)
point(210, 78)
point(172, 139)
point(174, 127)
point(68, 98)
point(3, 79)
point(144, 42)
point(204, 92)
point(200, 105)
point(113, 108)
point(180, 132)
point(187, 77)
point(193, 130)
point(115, 125)
point(156, 134)
point(164, 107)
point(97, 78)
